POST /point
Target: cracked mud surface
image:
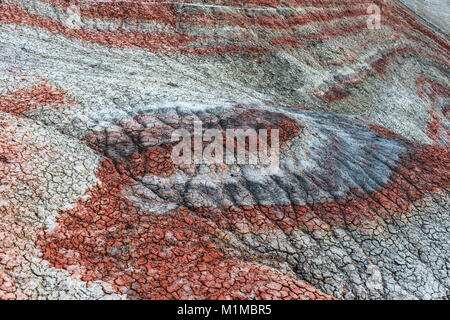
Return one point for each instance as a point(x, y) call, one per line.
point(93, 207)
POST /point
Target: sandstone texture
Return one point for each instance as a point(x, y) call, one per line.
point(92, 205)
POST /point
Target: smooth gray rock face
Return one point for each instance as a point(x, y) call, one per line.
point(92, 204)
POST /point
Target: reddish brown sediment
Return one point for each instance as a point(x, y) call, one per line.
point(249, 119)
point(385, 133)
point(168, 13)
point(152, 253)
point(426, 161)
point(153, 41)
point(287, 127)
point(417, 27)
point(428, 89)
point(22, 159)
point(178, 42)
point(159, 250)
point(341, 89)
point(354, 210)
point(336, 92)
point(434, 125)
point(29, 99)
point(8, 289)
point(419, 173)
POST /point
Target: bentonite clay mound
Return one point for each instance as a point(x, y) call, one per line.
point(92, 204)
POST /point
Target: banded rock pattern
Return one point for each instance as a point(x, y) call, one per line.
point(92, 205)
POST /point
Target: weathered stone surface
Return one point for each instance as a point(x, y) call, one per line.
point(93, 206)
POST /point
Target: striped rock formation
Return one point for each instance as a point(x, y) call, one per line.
point(93, 206)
